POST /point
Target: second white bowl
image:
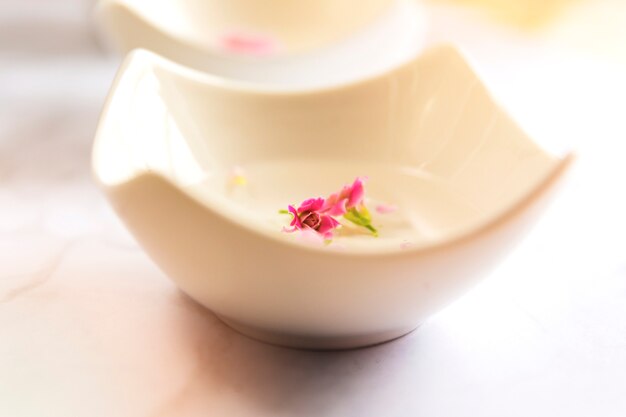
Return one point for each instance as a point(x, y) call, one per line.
point(307, 44)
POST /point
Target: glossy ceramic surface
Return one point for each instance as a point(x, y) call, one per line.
point(466, 180)
point(284, 44)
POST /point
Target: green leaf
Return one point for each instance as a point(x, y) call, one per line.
point(365, 214)
point(283, 212)
point(372, 229)
point(361, 218)
point(354, 216)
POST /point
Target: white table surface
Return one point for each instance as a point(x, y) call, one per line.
point(90, 327)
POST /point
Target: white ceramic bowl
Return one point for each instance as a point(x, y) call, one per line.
point(467, 182)
point(311, 43)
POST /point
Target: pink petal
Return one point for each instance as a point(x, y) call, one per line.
point(296, 219)
point(345, 191)
point(386, 208)
point(330, 202)
point(244, 43)
point(311, 204)
point(327, 223)
point(339, 209)
point(310, 236)
point(356, 193)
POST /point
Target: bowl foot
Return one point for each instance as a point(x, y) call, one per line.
point(316, 342)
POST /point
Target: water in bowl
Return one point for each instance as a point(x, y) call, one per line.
point(409, 207)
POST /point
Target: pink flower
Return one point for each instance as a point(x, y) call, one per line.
point(309, 216)
point(248, 44)
point(318, 214)
point(349, 197)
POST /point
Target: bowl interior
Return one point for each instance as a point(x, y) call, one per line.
point(428, 136)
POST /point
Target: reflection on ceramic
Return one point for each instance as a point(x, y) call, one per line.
point(291, 44)
point(174, 145)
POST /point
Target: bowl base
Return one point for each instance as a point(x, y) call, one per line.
point(299, 341)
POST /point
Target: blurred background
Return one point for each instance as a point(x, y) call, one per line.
point(88, 326)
